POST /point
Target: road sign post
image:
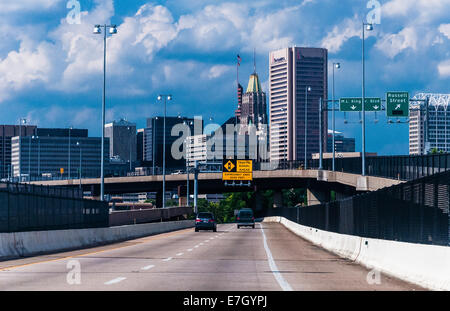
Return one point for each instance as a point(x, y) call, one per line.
point(397, 104)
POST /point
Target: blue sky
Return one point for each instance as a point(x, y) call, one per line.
point(51, 71)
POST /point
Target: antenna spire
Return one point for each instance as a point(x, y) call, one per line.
point(254, 60)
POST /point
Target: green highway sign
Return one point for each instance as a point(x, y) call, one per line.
point(355, 104)
point(350, 104)
point(372, 104)
point(397, 104)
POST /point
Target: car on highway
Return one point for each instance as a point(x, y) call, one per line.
point(205, 221)
point(245, 218)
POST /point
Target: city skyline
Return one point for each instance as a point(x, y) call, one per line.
point(52, 89)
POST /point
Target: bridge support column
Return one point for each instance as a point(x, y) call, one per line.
point(159, 195)
point(258, 206)
point(316, 197)
point(278, 199)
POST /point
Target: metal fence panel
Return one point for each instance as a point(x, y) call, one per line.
point(415, 212)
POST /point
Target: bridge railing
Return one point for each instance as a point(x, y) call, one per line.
point(25, 207)
point(416, 211)
point(394, 167)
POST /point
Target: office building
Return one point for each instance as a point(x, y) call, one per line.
point(226, 142)
point(6, 133)
point(291, 71)
point(429, 128)
point(154, 140)
point(140, 145)
point(197, 149)
point(37, 157)
point(61, 132)
point(122, 138)
point(341, 143)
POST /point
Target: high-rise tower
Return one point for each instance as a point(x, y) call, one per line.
point(291, 72)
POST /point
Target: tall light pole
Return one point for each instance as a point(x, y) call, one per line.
point(24, 121)
point(129, 130)
point(70, 128)
point(79, 173)
point(337, 66)
point(112, 31)
point(39, 154)
point(153, 143)
point(166, 98)
point(368, 27)
point(307, 89)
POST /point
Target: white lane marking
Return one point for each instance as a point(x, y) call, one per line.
point(148, 267)
point(196, 246)
point(116, 280)
point(201, 244)
point(168, 259)
point(180, 254)
point(189, 250)
point(206, 241)
point(273, 267)
point(211, 238)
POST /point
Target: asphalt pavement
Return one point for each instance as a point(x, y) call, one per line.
point(267, 258)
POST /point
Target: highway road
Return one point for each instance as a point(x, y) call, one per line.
point(267, 258)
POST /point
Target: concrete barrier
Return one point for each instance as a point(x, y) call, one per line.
point(13, 245)
point(424, 265)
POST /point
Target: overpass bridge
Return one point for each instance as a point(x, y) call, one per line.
point(318, 182)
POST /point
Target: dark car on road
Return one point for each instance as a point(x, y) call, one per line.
point(245, 218)
point(205, 221)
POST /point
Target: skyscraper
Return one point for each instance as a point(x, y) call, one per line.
point(122, 137)
point(291, 72)
point(154, 139)
point(430, 129)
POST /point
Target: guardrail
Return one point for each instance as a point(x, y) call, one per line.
point(416, 212)
point(130, 217)
point(26, 207)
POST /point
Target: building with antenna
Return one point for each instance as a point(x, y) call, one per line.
point(429, 124)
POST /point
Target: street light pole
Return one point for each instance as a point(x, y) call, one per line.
point(79, 174)
point(69, 154)
point(337, 66)
point(166, 97)
point(369, 27)
point(97, 30)
point(129, 129)
point(307, 89)
point(20, 143)
point(153, 143)
point(320, 136)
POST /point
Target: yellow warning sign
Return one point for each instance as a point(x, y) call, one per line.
point(229, 166)
point(237, 170)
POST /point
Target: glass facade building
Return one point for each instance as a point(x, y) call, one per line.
point(37, 157)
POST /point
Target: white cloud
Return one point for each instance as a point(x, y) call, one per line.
point(12, 6)
point(445, 30)
point(393, 44)
point(444, 69)
point(218, 71)
point(421, 11)
point(341, 33)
